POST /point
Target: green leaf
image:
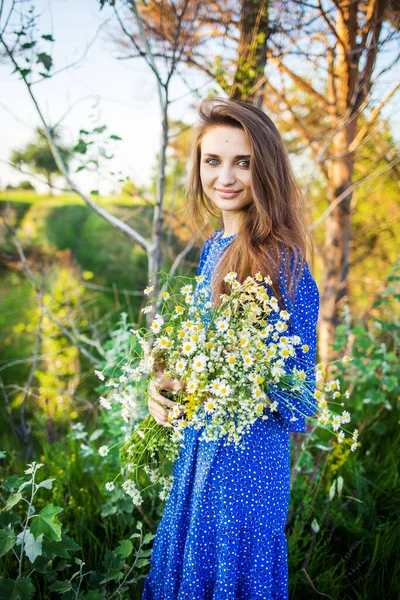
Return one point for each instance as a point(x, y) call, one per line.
point(115, 137)
point(96, 434)
point(61, 586)
point(62, 548)
point(142, 562)
point(45, 59)
point(32, 547)
point(45, 522)
point(7, 540)
point(13, 482)
point(148, 537)
point(22, 589)
point(80, 147)
point(94, 192)
point(124, 548)
point(79, 169)
point(12, 501)
point(48, 37)
point(100, 129)
point(47, 483)
point(28, 45)
point(24, 72)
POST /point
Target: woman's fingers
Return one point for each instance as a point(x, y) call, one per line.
point(160, 413)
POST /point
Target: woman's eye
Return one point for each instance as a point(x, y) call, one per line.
point(245, 161)
point(210, 159)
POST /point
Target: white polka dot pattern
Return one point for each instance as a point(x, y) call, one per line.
point(222, 533)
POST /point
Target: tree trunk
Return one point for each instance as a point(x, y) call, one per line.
point(252, 53)
point(158, 216)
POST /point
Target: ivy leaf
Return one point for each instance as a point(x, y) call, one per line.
point(7, 540)
point(22, 589)
point(47, 523)
point(45, 59)
point(32, 547)
point(28, 45)
point(80, 147)
point(48, 37)
point(125, 548)
point(24, 72)
point(47, 483)
point(12, 501)
point(62, 549)
point(100, 129)
point(13, 483)
point(61, 586)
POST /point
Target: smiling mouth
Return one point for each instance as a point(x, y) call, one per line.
point(228, 193)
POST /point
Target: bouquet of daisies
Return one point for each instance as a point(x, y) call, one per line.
point(226, 359)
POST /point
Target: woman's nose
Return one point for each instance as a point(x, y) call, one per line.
point(226, 176)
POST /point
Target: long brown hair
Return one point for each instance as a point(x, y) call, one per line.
point(272, 228)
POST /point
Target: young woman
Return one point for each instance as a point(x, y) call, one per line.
point(222, 534)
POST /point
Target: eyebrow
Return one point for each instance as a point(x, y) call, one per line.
point(238, 156)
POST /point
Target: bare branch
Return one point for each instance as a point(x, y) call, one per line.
point(350, 189)
point(374, 115)
point(128, 231)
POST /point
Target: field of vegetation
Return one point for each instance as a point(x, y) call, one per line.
point(343, 525)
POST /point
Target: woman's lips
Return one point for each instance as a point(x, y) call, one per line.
point(228, 194)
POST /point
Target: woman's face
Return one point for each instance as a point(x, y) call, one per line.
point(225, 168)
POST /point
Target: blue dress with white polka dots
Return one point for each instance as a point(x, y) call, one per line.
point(222, 533)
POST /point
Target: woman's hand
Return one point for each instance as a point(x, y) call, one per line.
point(160, 413)
point(157, 403)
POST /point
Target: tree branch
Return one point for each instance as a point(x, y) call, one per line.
point(104, 214)
point(39, 293)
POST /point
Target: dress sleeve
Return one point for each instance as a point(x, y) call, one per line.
point(204, 252)
point(304, 311)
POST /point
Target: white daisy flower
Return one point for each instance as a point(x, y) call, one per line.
point(224, 390)
point(230, 277)
point(180, 365)
point(109, 486)
point(147, 290)
point(188, 347)
point(187, 289)
point(209, 406)
point(199, 363)
point(99, 374)
point(105, 403)
point(103, 450)
point(192, 385)
point(346, 417)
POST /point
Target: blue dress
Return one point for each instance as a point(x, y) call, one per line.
point(222, 533)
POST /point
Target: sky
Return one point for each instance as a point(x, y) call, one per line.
point(101, 90)
point(123, 92)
